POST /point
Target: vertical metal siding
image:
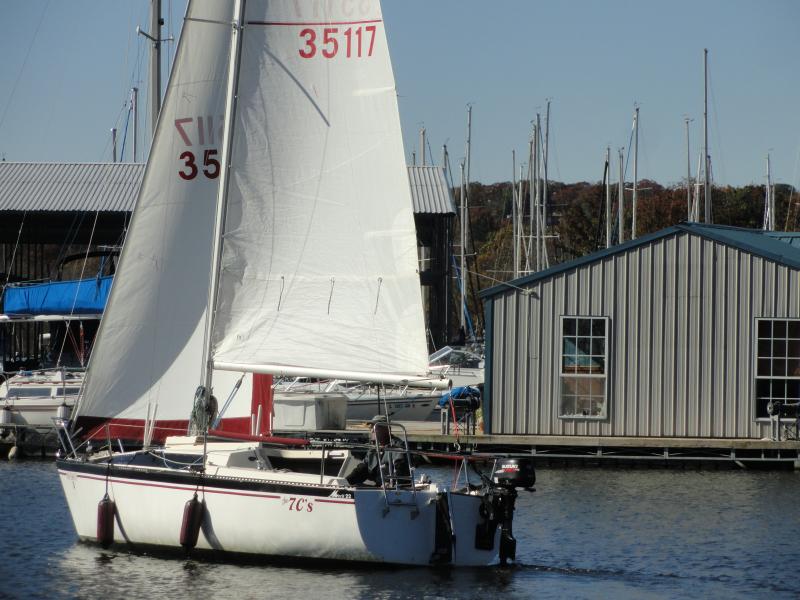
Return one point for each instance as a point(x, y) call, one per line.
point(682, 311)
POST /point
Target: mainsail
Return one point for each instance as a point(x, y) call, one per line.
point(319, 263)
point(149, 348)
point(318, 268)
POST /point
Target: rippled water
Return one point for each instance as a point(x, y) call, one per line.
point(585, 533)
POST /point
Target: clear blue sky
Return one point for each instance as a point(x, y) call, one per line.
point(67, 67)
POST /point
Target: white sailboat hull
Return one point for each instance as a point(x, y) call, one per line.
point(258, 517)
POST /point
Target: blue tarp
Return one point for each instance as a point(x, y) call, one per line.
point(465, 397)
point(80, 297)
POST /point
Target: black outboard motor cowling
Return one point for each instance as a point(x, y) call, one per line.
point(514, 473)
point(498, 506)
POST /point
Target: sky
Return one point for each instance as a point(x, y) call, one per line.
point(68, 66)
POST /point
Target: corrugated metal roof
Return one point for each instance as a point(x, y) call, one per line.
point(69, 186)
point(750, 240)
point(113, 187)
point(429, 191)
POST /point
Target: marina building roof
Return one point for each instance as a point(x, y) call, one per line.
point(33, 186)
point(112, 187)
point(429, 190)
point(778, 246)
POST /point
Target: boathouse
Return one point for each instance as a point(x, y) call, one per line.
point(690, 332)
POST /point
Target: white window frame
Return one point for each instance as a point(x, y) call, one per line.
point(606, 369)
point(756, 376)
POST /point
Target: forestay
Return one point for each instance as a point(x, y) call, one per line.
point(319, 260)
point(149, 348)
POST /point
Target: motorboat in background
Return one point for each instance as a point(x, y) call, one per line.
point(366, 400)
point(462, 365)
point(31, 401)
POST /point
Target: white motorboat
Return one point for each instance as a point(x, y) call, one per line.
point(366, 400)
point(30, 401)
point(277, 240)
point(463, 366)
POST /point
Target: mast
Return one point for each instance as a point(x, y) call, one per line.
point(545, 157)
point(621, 200)
point(463, 282)
point(422, 145)
point(531, 209)
point(707, 158)
point(155, 63)
point(607, 177)
point(514, 218)
point(113, 144)
point(634, 203)
point(135, 109)
point(222, 196)
point(688, 173)
point(769, 202)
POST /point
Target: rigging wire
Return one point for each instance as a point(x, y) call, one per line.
point(77, 289)
point(24, 63)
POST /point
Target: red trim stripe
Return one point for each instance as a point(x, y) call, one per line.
point(321, 24)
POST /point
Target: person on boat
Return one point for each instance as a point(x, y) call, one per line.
point(379, 457)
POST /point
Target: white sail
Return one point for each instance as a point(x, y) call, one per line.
point(150, 344)
point(319, 260)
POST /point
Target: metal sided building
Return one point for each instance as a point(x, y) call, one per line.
point(689, 332)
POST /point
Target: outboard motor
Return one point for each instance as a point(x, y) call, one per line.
point(498, 506)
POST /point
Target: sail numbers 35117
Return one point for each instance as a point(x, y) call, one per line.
point(352, 42)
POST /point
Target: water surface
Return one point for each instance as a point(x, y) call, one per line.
point(585, 533)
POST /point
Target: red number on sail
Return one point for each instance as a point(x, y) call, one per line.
point(189, 163)
point(330, 42)
point(328, 38)
point(210, 161)
point(371, 29)
point(310, 49)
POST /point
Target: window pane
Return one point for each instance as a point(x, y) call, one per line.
point(793, 390)
point(569, 327)
point(779, 329)
point(599, 327)
point(765, 329)
point(570, 345)
point(793, 348)
point(584, 346)
point(793, 368)
point(762, 388)
point(779, 367)
point(764, 367)
point(597, 386)
point(598, 346)
point(584, 327)
point(778, 348)
point(794, 329)
point(764, 348)
point(778, 389)
point(598, 365)
point(598, 407)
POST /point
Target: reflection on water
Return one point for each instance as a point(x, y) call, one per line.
point(585, 533)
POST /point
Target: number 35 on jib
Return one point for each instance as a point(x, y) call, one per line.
point(201, 155)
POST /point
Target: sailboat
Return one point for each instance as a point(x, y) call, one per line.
point(273, 236)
